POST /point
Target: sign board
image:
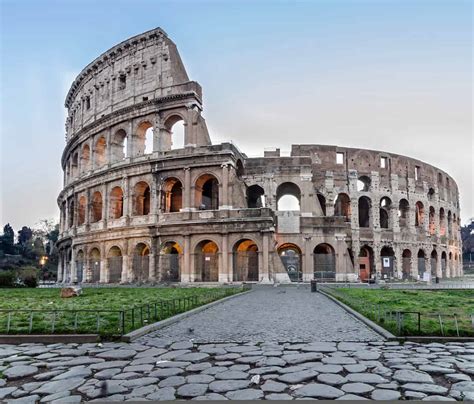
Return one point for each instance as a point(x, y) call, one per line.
point(426, 277)
point(386, 262)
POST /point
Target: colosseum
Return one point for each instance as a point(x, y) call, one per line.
point(139, 205)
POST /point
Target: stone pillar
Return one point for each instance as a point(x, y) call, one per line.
point(330, 208)
point(73, 265)
point(60, 267)
point(127, 198)
point(224, 267)
point(130, 140)
point(398, 263)
point(105, 203)
point(224, 196)
point(187, 270)
point(375, 213)
point(152, 265)
point(264, 274)
point(126, 269)
point(104, 268)
point(308, 263)
point(187, 190)
point(377, 262)
point(394, 221)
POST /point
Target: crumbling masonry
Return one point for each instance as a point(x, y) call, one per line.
point(134, 209)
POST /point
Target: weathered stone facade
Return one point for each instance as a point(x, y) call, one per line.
point(208, 213)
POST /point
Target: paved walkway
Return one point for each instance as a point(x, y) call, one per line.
point(271, 314)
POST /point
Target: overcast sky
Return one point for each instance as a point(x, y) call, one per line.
point(387, 75)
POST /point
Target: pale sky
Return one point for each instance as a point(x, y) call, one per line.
point(393, 75)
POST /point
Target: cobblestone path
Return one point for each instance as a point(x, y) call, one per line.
point(271, 314)
point(163, 371)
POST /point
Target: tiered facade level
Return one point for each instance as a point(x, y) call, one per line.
point(134, 209)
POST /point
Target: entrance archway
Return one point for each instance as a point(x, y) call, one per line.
point(324, 263)
point(245, 261)
point(406, 264)
point(207, 192)
point(114, 263)
point(290, 255)
point(169, 262)
point(387, 256)
point(434, 263)
point(366, 263)
point(421, 264)
point(444, 264)
point(206, 261)
point(94, 265)
point(80, 266)
point(141, 263)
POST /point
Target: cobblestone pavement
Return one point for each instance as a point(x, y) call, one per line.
point(272, 314)
point(160, 370)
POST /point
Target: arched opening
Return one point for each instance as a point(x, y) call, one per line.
point(118, 146)
point(442, 222)
point(455, 225)
point(324, 263)
point(175, 126)
point(207, 192)
point(385, 206)
point(288, 197)
point(387, 256)
point(75, 165)
point(100, 156)
point(141, 199)
point(144, 139)
point(206, 260)
point(80, 266)
point(406, 264)
point(342, 206)
point(290, 255)
point(94, 265)
point(322, 202)
point(81, 210)
point(444, 264)
point(366, 264)
point(96, 206)
point(245, 261)
point(434, 263)
point(363, 184)
point(450, 223)
point(172, 196)
point(419, 214)
point(116, 203)
point(169, 262)
point(432, 221)
point(114, 264)
point(365, 217)
point(255, 197)
point(403, 213)
point(71, 214)
point(450, 265)
point(239, 169)
point(85, 158)
point(141, 263)
point(431, 193)
point(421, 264)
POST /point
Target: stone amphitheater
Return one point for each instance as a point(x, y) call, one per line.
point(141, 205)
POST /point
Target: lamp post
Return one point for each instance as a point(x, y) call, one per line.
point(43, 260)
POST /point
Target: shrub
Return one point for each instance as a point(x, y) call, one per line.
point(7, 279)
point(29, 277)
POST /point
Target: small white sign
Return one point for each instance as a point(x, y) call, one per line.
point(207, 258)
point(386, 262)
point(426, 277)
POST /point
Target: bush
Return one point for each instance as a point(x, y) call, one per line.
point(29, 277)
point(7, 279)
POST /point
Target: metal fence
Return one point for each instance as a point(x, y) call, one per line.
point(408, 323)
point(107, 323)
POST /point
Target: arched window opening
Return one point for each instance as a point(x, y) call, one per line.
point(71, 214)
point(96, 206)
point(324, 263)
point(434, 263)
point(363, 184)
point(177, 135)
point(169, 262)
point(245, 261)
point(366, 264)
point(406, 265)
point(172, 196)
point(450, 223)
point(450, 265)
point(94, 265)
point(443, 264)
point(141, 199)
point(100, 152)
point(239, 169)
point(81, 211)
point(114, 263)
point(116, 203)
point(419, 214)
point(288, 197)
point(255, 197)
point(80, 266)
point(141, 263)
point(385, 206)
point(206, 262)
point(432, 221)
point(431, 193)
point(75, 165)
point(387, 256)
point(119, 146)
point(290, 255)
point(143, 143)
point(421, 264)
point(322, 202)
point(85, 158)
point(440, 179)
point(342, 206)
point(365, 219)
point(442, 222)
point(207, 192)
point(403, 212)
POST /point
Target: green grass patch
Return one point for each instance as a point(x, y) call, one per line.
point(109, 312)
point(453, 307)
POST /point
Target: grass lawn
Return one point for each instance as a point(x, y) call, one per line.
point(107, 311)
point(377, 304)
